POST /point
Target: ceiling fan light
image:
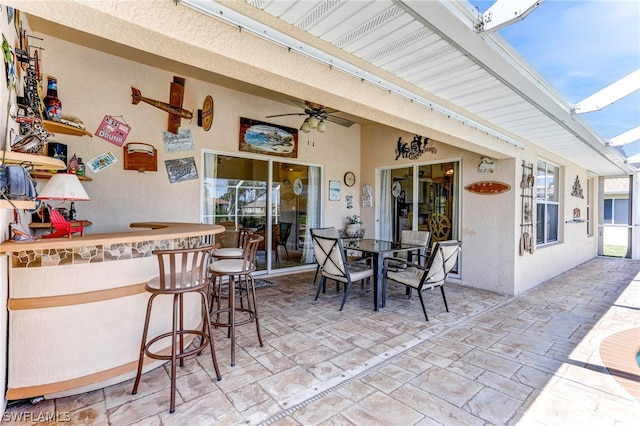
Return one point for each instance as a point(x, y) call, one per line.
point(313, 122)
point(305, 126)
point(322, 126)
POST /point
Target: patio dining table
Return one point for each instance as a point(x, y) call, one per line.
point(378, 249)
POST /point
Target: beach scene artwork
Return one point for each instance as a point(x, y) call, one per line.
point(265, 138)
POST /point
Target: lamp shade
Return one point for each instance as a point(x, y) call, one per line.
point(305, 126)
point(322, 126)
point(313, 122)
point(64, 186)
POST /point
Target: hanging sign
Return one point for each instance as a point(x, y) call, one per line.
point(113, 131)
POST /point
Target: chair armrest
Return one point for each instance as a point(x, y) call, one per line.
point(405, 263)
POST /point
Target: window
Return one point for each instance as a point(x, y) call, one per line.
point(547, 218)
point(616, 211)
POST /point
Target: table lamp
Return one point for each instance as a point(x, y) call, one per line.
point(64, 187)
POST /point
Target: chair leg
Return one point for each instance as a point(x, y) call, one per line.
point(145, 331)
point(422, 303)
point(207, 325)
point(232, 319)
point(181, 335)
point(285, 250)
point(444, 298)
point(346, 294)
point(255, 310)
point(174, 332)
point(315, 277)
point(320, 286)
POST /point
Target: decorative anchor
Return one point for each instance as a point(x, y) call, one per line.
point(174, 107)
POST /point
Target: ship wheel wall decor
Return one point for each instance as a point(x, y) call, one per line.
point(440, 227)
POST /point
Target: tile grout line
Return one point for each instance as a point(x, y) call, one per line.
point(387, 359)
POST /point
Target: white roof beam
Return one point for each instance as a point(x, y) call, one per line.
point(626, 137)
point(610, 94)
point(633, 159)
point(505, 12)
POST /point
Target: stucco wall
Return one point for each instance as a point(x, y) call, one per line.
point(486, 221)
point(574, 246)
point(93, 84)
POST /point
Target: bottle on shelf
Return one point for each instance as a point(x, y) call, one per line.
point(72, 211)
point(52, 104)
point(81, 167)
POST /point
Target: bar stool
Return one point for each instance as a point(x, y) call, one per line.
point(236, 270)
point(181, 271)
point(233, 252)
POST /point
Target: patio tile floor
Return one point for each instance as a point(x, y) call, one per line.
point(533, 359)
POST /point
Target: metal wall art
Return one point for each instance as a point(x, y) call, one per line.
point(576, 190)
point(413, 150)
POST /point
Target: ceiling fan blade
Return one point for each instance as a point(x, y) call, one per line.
point(282, 115)
point(299, 103)
point(338, 120)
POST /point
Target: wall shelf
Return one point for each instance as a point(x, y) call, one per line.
point(39, 174)
point(65, 129)
point(38, 162)
point(21, 205)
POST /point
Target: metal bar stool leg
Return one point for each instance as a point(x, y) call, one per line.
point(145, 332)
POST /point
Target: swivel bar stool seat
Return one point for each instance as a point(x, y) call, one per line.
point(181, 271)
point(233, 252)
point(237, 270)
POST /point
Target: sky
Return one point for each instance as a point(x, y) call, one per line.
point(580, 47)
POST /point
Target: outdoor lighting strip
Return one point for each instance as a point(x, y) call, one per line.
point(213, 9)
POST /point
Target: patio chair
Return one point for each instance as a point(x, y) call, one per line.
point(285, 231)
point(62, 228)
point(442, 259)
point(333, 264)
point(419, 238)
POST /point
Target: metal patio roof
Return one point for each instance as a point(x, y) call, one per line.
point(434, 46)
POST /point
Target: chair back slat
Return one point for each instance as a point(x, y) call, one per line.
point(181, 269)
point(249, 250)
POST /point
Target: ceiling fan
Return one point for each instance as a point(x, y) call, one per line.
point(317, 114)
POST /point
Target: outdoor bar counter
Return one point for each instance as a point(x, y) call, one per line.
point(77, 306)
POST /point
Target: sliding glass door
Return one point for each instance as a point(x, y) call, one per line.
point(278, 200)
point(421, 197)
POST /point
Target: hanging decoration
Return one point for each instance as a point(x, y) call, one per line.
point(576, 190)
point(174, 107)
point(181, 169)
point(113, 130)
point(414, 150)
point(205, 115)
point(486, 165)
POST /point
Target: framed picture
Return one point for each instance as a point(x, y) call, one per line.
point(334, 190)
point(265, 138)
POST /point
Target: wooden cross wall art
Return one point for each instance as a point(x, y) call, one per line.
point(174, 107)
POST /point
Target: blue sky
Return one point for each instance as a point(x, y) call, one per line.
point(581, 47)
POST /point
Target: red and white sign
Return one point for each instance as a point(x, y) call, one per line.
point(113, 131)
